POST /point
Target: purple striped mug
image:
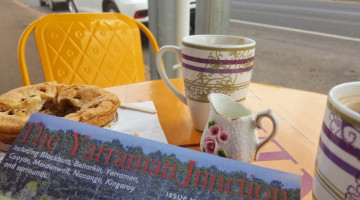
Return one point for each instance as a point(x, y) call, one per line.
point(210, 64)
point(337, 167)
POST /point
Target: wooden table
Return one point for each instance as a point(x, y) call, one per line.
point(300, 115)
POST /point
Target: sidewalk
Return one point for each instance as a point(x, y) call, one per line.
point(14, 18)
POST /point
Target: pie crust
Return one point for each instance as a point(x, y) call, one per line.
point(83, 103)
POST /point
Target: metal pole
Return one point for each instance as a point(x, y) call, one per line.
point(182, 28)
point(183, 20)
point(212, 17)
point(169, 21)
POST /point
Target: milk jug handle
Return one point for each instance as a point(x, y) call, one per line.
point(159, 66)
point(275, 126)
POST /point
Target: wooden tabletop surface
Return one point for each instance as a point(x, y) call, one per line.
point(300, 115)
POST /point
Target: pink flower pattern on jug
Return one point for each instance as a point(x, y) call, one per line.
point(211, 141)
point(214, 130)
point(223, 136)
point(210, 145)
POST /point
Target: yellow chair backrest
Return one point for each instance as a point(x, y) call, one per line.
point(101, 49)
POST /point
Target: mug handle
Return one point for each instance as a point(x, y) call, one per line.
point(269, 114)
point(160, 69)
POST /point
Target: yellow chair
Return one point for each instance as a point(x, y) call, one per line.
point(101, 49)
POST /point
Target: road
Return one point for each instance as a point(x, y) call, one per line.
point(330, 17)
point(303, 44)
point(308, 45)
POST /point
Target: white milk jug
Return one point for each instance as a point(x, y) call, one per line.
point(231, 129)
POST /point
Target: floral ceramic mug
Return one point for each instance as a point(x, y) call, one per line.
point(211, 63)
point(337, 168)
